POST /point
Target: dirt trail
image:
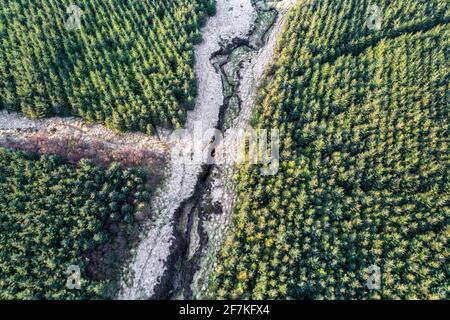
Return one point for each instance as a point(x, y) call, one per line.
point(74, 139)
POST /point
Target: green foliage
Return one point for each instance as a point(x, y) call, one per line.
point(363, 180)
point(51, 215)
point(129, 66)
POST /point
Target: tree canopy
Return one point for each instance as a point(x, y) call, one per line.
point(363, 180)
point(124, 63)
point(52, 215)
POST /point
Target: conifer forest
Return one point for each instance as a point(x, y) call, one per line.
point(106, 105)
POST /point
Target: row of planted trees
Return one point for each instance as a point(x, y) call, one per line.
point(363, 179)
point(54, 216)
point(127, 64)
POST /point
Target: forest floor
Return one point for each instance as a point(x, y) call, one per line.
point(73, 139)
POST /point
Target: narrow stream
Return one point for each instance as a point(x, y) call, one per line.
point(192, 210)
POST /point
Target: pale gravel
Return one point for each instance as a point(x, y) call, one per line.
point(15, 126)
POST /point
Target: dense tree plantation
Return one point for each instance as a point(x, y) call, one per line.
point(51, 215)
point(363, 180)
point(129, 65)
